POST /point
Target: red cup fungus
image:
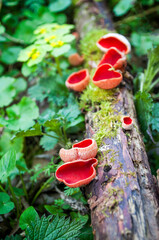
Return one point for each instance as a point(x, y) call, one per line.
point(105, 77)
point(127, 122)
point(83, 150)
point(114, 40)
point(78, 81)
point(77, 173)
point(114, 58)
point(75, 59)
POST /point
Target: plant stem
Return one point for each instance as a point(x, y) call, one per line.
point(24, 188)
point(41, 189)
point(3, 190)
point(140, 15)
point(58, 65)
point(49, 135)
point(15, 40)
point(14, 197)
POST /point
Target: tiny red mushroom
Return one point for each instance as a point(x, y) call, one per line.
point(78, 81)
point(77, 173)
point(75, 59)
point(82, 150)
point(115, 58)
point(105, 77)
point(127, 122)
point(114, 40)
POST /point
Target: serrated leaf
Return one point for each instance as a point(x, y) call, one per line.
point(7, 164)
point(21, 116)
point(57, 229)
point(33, 131)
point(5, 204)
point(27, 217)
point(54, 210)
point(48, 143)
point(16, 237)
point(71, 191)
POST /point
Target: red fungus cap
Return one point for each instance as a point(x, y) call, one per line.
point(84, 150)
point(114, 40)
point(127, 122)
point(75, 59)
point(115, 58)
point(106, 78)
point(78, 81)
point(77, 173)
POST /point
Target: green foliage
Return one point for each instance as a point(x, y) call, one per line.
point(144, 105)
point(59, 5)
point(5, 203)
point(122, 7)
point(54, 210)
point(28, 216)
point(10, 55)
point(154, 119)
point(16, 237)
point(53, 228)
point(21, 116)
point(71, 191)
point(7, 164)
point(47, 142)
point(51, 39)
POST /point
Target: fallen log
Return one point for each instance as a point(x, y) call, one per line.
point(123, 198)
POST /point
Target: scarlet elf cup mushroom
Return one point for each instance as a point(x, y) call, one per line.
point(105, 77)
point(127, 122)
point(78, 81)
point(83, 150)
point(115, 58)
point(114, 40)
point(77, 173)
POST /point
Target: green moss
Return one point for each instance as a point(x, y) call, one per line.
point(106, 121)
point(94, 94)
point(88, 45)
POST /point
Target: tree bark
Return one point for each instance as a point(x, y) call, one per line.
point(123, 199)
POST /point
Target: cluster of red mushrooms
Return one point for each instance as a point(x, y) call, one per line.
point(80, 161)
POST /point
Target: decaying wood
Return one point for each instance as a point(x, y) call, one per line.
point(123, 198)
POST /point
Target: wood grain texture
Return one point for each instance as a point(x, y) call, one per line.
point(123, 198)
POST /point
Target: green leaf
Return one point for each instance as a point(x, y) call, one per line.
point(16, 237)
point(48, 143)
point(20, 85)
point(54, 210)
point(1, 69)
point(6, 143)
point(33, 131)
point(154, 119)
point(122, 7)
point(21, 116)
point(61, 50)
point(2, 29)
point(18, 191)
point(71, 191)
point(26, 71)
point(27, 217)
point(57, 229)
point(59, 5)
point(5, 204)
point(144, 105)
point(25, 31)
point(10, 55)
point(7, 164)
point(7, 91)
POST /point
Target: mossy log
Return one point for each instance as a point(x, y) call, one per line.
point(123, 197)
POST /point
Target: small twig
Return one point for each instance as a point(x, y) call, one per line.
point(15, 40)
point(75, 204)
point(140, 15)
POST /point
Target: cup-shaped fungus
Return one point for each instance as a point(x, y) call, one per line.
point(86, 149)
point(77, 173)
point(114, 40)
point(127, 122)
point(83, 150)
point(115, 58)
point(105, 77)
point(78, 81)
point(75, 59)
